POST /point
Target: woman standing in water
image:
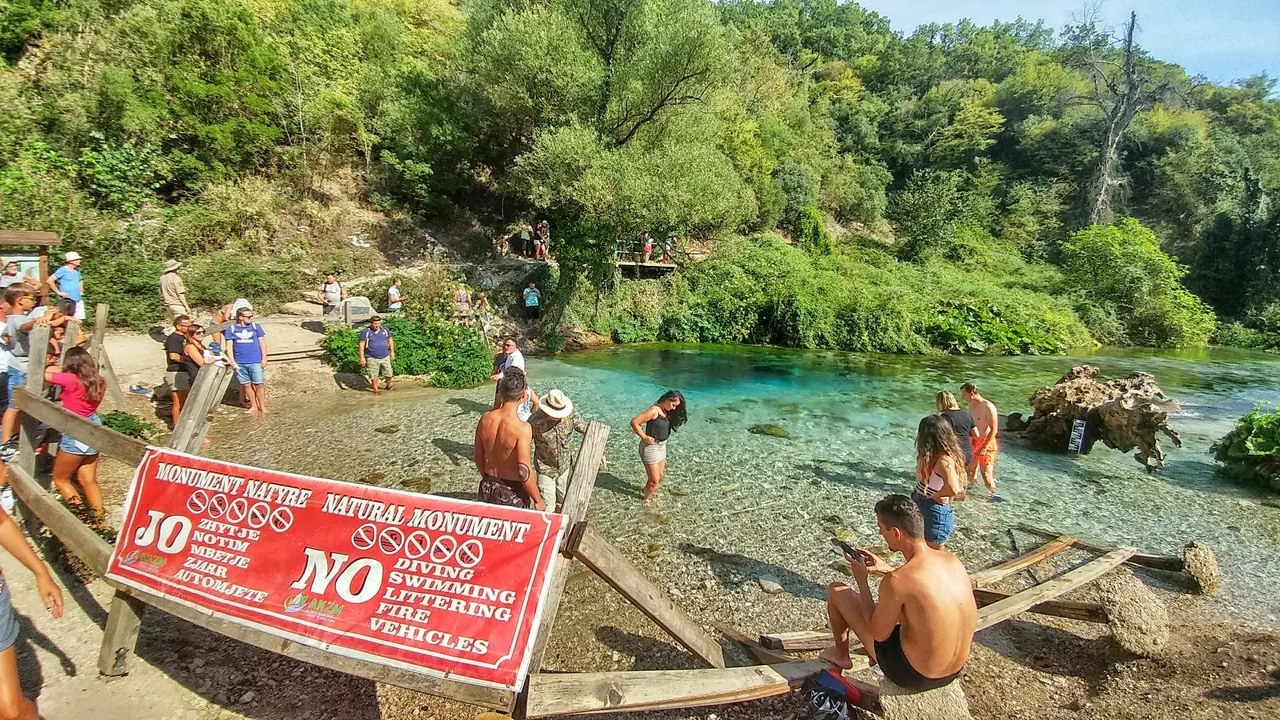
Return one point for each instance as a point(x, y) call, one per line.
point(82, 390)
point(940, 472)
point(660, 420)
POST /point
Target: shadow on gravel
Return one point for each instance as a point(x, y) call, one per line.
point(614, 484)
point(648, 653)
point(458, 453)
point(733, 571)
point(1054, 651)
point(469, 406)
point(1253, 694)
point(29, 671)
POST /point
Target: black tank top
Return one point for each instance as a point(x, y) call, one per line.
point(658, 428)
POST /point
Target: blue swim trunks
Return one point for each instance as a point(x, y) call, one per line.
point(8, 623)
point(939, 522)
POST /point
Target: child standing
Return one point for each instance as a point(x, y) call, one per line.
point(82, 390)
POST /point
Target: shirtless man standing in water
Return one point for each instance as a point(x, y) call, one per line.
point(920, 631)
point(986, 447)
point(503, 451)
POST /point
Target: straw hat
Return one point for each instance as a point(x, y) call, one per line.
point(557, 405)
point(171, 265)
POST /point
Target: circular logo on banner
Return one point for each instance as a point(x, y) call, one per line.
point(390, 540)
point(258, 514)
point(281, 519)
point(197, 502)
point(239, 508)
point(469, 553)
point(364, 536)
point(417, 544)
point(443, 548)
point(218, 505)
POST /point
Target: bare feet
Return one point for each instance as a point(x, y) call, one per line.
point(389, 388)
point(837, 658)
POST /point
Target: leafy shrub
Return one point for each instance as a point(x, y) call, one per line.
point(1121, 269)
point(811, 234)
point(1251, 451)
point(128, 424)
point(224, 276)
point(453, 356)
point(427, 296)
point(968, 329)
point(925, 213)
point(128, 283)
point(1238, 335)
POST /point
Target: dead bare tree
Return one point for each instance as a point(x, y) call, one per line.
point(1122, 87)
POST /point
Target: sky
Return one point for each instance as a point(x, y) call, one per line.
point(1222, 39)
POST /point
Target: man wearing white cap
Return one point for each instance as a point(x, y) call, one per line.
point(553, 426)
point(173, 292)
point(67, 283)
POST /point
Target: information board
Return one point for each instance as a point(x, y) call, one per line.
point(444, 587)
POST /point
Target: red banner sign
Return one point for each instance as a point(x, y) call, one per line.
point(442, 587)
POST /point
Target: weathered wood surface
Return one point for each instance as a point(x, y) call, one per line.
point(759, 652)
point(28, 237)
point(553, 694)
point(1082, 611)
point(29, 431)
point(1048, 590)
point(106, 441)
point(1022, 562)
point(99, 329)
point(205, 394)
point(113, 383)
point(577, 498)
point(120, 637)
point(1168, 563)
point(798, 641)
point(615, 569)
point(79, 539)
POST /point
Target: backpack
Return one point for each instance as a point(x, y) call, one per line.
point(829, 697)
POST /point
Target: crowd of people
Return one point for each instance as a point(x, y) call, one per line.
point(642, 251)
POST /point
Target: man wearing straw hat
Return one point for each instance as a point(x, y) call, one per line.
point(553, 426)
point(173, 292)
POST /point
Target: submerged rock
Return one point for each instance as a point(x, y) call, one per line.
point(770, 429)
point(387, 429)
point(373, 478)
point(1124, 414)
point(418, 484)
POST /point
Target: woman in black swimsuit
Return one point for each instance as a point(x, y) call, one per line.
point(660, 420)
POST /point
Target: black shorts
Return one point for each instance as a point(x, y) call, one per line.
point(497, 491)
point(533, 312)
point(895, 666)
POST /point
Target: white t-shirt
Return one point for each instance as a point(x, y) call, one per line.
point(515, 359)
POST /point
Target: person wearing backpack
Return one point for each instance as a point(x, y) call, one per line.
point(248, 355)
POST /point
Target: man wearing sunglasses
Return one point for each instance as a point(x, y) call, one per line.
point(248, 355)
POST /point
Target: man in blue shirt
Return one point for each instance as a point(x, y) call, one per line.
point(67, 283)
point(248, 355)
point(377, 352)
point(532, 302)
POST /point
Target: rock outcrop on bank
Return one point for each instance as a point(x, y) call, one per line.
point(1125, 414)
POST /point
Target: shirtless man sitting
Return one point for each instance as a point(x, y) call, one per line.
point(503, 451)
point(986, 447)
point(921, 629)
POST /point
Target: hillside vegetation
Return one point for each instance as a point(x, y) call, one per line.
point(1001, 189)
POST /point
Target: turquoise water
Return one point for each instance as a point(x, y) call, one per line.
point(852, 421)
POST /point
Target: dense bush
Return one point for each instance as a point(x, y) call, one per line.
point(426, 296)
point(129, 424)
point(761, 290)
point(1122, 271)
point(452, 356)
point(1251, 451)
point(224, 276)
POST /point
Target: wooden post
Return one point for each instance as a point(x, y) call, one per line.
point(113, 384)
point(36, 356)
point(614, 568)
point(44, 273)
point(72, 334)
point(577, 498)
point(346, 313)
point(99, 329)
point(204, 395)
point(218, 392)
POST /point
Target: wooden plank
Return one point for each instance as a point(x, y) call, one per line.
point(582, 481)
point(1169, 563)
point(79, 539)
point(472, 694)
point(120, 638)
point(553, 694)
point(200, 400)
point(219, 391)
point(1084, 612)
point(44, 274)
point(99, 329)
point(1021, 602)
point(758, 651)
point(798, 641)
point(1022, 562)
point(614, 568)
point(28, 237)
point(108, 442)
point(113, 383)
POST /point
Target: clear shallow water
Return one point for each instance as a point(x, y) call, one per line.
point(852, 419)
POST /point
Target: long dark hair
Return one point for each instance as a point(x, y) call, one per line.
point(936, 439)
point(80, 363)
point(680, 413)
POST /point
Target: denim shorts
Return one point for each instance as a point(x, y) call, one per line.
point(939, 522)
point(8, 623)
point(72, 446)
point(17, 379)
point(250, 374)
